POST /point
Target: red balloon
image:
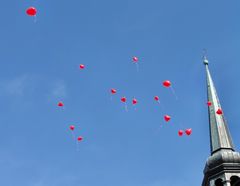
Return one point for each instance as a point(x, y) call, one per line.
point(219, 111)
point(81, 66)
point(209, 103)
point(156, 98)
point(180, 132)
point(60, 104)
point(124, 99)
point(134, 101)
point(167, 118)
point(167, 83)
point(31, 11)
point(135, 59)
point(113, 91)
point(72, 127)
point(188, 131)
point(80, 138)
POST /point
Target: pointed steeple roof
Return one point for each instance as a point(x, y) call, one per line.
point(224, 161)
point(220, 137)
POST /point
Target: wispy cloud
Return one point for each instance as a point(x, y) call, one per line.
point(59, 89)
point(15, 86)
point(26, 85)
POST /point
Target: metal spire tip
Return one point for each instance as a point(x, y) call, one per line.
point(205, 60)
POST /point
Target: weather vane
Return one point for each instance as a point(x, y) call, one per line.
point(205, 61)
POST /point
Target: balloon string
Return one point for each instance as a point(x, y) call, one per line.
point(161, 125)
point(35, 18)
point(162, 105)
point(77, 145)
point(73, 135)
point(159, 128)
point(137, 66)
point(126, 108)
point(62, 108)
point(135, 108)
point(173, 91)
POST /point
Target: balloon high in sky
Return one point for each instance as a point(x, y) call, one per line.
point(60, 104)
point(167, 83)
point(31, 11)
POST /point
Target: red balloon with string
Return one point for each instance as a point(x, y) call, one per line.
point(168, 84)
point(31, 11)
point(156, 98)
point(72, 128)
point(124, 100)
point(135, 61)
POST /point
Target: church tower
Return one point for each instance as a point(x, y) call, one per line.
point(223, 166)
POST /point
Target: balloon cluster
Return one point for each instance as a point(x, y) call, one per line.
point(124, 99)
point(166, 84)
point(188, 132)
point(71, 127)
point(32, 11)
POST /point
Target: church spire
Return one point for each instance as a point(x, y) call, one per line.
point(220, 137)
point(223, 166)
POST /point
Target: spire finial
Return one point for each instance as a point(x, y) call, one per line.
point(205, 61)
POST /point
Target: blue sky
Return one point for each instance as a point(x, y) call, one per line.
point(40, 67)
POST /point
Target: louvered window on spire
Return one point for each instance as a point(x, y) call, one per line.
point(235, 181)
point(219, 182)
